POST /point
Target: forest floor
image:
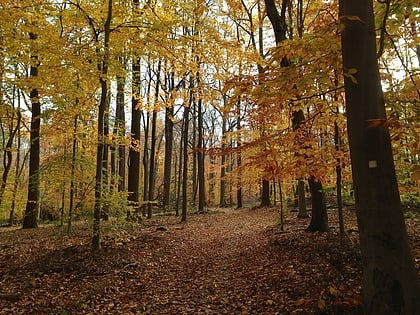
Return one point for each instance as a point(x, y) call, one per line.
point(224, 262)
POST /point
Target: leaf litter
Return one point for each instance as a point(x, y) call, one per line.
point(229, 261)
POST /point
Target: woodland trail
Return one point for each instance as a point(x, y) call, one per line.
point(225, 262)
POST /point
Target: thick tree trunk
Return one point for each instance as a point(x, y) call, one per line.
point(390, 284)
point(265, 193)
point(31, 211)
point(134, 150)
point(133, 179)
point(319, 218)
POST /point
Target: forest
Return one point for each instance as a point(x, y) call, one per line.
point(220, 136)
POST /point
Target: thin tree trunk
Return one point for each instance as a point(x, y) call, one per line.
point(152, 162)
point(169, 134)
point(145, 160)
point(238, 155)
point(338, 185)
point(222, 202)
point(96, 238)
point(281, 207)
point(193, 114)
point(7, 152)
point(18, 170)
point(72, 175)
point(180, 169)
point(106, 188)
point(185, 162)
point(200, 158)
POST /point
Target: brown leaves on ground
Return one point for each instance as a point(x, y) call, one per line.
point(225, 262)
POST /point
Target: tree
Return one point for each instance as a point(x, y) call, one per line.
point(31, 211)
point(152, 160)
point(12, 114)
point(96, 238)
point(319, 219)
point(134, 150)
point(169, 134)
point(390, 284)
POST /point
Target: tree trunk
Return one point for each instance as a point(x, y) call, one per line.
point(180, 169)
point(238, 155)
point(193, 114)
point(96, 238)
point(200, 158)
point(72, 175)
point(152, 162)
point(338, 183)
point(278, 22)
point(222, 202)
point(265, 193)
point(7, 152)
point(390, 284)
point(134, 151)
point(303, 213)
point(18, 169)
point(185, 162)
point(106, 189)
point(169, 135)
point(119, 130)
point(319, 218)
point(31, 211)
point(146, 161)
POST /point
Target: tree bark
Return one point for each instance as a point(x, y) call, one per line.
point(31, 211)
point(7, 150)
point(169, 135)
point(239, 155)
point(319, 218)
point(200, 158)
point(119, 150)
point(265, 193)
point(96, 237)
point(72, 175)
point(152, 162)
point(390, 284)
point(134, 150)
point(303, 213)
point(185, 161)
point(222, 202)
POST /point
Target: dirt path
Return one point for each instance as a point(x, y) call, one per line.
point(227, 262)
